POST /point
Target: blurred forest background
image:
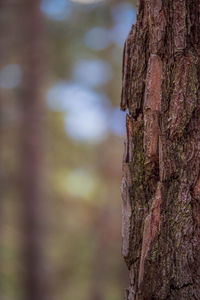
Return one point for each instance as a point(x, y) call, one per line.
point(73, 56)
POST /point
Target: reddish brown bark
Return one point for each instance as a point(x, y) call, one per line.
point(161, 165)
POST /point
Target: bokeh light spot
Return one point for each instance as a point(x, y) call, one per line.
point(93, 72)
point(10, 76)
point(97, 38)
point(86, 111)
point(124, 15)
point(87, 125)
point(80, 183)
point(56, 9)
point(118, 122)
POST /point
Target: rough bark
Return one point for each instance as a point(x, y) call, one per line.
point(32, 158)
point(161, 165)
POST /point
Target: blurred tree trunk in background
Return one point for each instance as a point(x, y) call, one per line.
point(32, 151)
point(161, 165)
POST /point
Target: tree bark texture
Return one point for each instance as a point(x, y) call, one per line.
point(161, 165)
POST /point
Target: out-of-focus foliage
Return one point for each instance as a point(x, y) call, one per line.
point(83, 147)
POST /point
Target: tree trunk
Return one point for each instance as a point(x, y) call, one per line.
point(161, 164)
point(31, 172)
